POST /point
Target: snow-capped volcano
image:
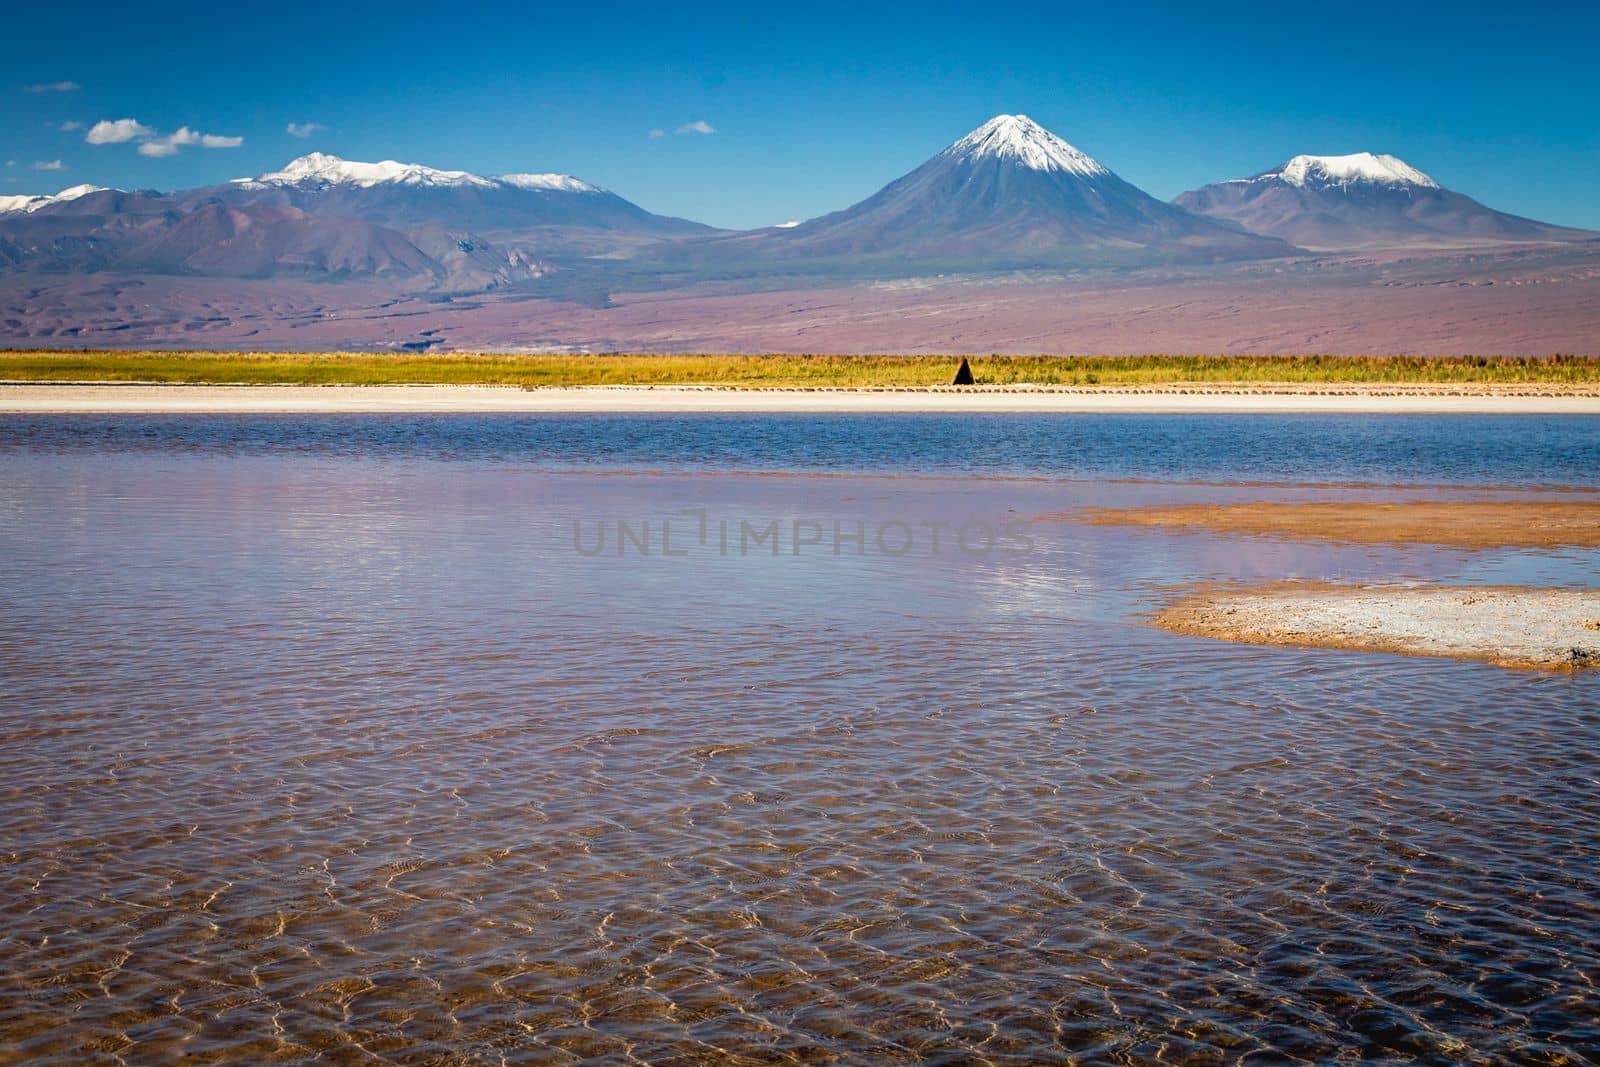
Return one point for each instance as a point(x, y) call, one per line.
point(1018, 138)
point(1011, 195)
point(1362, 200)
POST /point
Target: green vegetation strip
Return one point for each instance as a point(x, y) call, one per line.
point(783, 371)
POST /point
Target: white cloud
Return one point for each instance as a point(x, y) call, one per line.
point(657, 133)
point(54, 164)
point(700, 126)
point(303, 129)
point(117, 131)
point(70, 126)
point(52, 87)
point(151, 142)
point(182, 137)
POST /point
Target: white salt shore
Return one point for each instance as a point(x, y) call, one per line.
point(1510, 626)
point(18, 398)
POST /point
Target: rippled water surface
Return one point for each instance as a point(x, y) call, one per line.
point(347, 739)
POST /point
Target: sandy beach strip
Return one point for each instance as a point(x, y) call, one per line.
point(1473, 524)
point(108, 398)
point(1511, 626)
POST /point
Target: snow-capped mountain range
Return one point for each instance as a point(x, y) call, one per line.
point(326, 218)
point(1010, 195)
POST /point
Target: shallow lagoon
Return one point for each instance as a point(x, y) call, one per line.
point(319, 736)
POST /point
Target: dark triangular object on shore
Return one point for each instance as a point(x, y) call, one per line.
point(964, 375)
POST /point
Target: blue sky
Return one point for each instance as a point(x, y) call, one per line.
point(812, 106)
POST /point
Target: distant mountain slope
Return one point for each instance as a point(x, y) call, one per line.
point(149, 233)
point(1363, 201)
point(1013, 195)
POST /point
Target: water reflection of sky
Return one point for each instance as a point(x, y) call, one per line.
point(1425, 449)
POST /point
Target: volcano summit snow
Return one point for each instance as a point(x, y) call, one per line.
point(10, 204)
point(410, 194)
point(1323, 171)
point(319, 168)
point(1019, 138)
point(1363, 200)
